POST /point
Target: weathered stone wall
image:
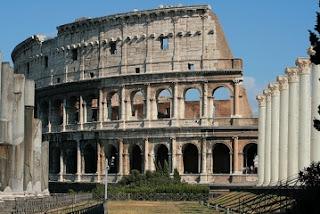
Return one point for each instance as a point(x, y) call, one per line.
point(20, 137)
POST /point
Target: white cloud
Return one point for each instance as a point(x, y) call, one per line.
point(252, 91)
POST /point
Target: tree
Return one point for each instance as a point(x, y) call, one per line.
point(314, 38)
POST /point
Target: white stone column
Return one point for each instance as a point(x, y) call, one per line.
point(275, 121)
point(146, 154)
point(120, 146)
point(173, 154)
point(261, 137)
point(304, 112)
point(283, 132)
point(61, 173)
point(267, 141)
point(293, 133)
point(78, 161)
point(315, 103)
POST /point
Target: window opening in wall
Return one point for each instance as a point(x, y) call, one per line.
point(91, 74)
point(58, 80)
point(137, 70)
point(164, 43)
point(46, 61)
point(28, 68)
point(113, 48)
point(190, 67)
point(74, 54)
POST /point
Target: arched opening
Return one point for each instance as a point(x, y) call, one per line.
point(44, 113)
point(71, 160)
point(164, 104)
point(90, 159)
point(162, 157)
point(57, 112)
point(113, 158)
point(137, 105)
point(114, 106)
point(222, 102)
point(192, 104)
point(221, 159)
point(250, 158)
point(72, 110)
point(92, 104)
point(136, 158)
point(190, 159)
point(54, 160)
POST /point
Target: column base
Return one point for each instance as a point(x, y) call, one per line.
point(203, 178)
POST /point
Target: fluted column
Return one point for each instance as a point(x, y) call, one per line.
point(293, 133)
point(315, 134)
point(275, 121)
point(146, 154)
point(121, 157)
point(283, 132)
point(304, 112)
point(267, 141)
point(261, 137)
point(78, 161)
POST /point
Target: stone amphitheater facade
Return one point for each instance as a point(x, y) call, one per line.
point(139, 89)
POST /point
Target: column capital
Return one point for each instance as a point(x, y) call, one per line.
point(261, 100)
point(267, 94)
point(292, 73)
point(303, 65)
point(283, 82)
point(274, 88)
point(235, 137)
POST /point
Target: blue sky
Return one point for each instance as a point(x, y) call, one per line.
point(267, 34)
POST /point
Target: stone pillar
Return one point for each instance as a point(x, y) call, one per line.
point(173, 154)
point(146, 154)
point(235, 158)
point(121, 157)
point(100, 107)
point(49, 115)
point(283, 132)
point(148, 103)
point(81, 112)
point(78, 161)
point(236, 108)
point(204, 108)
point(64, 118)
point(315, 134)
point(275, 121)
point(61, 173)
point(304, 112)
point(230, 162)
point(126, 161)
point(267, 140)
point(98, 161)
point(203, 176)
point(85, 114)
point(261, 137)
point(123, 106)
point(293, 133)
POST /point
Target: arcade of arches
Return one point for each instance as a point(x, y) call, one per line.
point(194, 159)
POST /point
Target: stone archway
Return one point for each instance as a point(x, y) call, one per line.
point(190, 159)
point(162, 157)
point(222, 102)
point(221, 159)
point(113, 158)
point(192, 103)
point(164, 104)
point(136, 158)
point(249, 155)
point(90, 159)
point(71, 160)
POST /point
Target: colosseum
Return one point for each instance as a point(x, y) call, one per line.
point(142, 89)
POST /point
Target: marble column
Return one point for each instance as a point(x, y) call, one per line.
point(78, 161)
point(64, 116)
point(146, 154)
point(304, 112)
point(236, 110)
point(283, 132)
point(235, 155)
point(315, 103)
point(267, 140)
point(293, 129)
point(275, 121)
point(120, 146)
point(261, 137)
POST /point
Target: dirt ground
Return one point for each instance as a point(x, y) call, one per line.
point(159, 207)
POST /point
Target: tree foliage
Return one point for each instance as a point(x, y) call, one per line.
point(314, 41)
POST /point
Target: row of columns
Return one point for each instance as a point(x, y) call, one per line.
point(287, 138)
point(150, 106)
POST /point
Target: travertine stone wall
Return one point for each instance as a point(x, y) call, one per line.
point(22, 153)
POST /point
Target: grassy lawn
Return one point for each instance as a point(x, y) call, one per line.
point(150, 207)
